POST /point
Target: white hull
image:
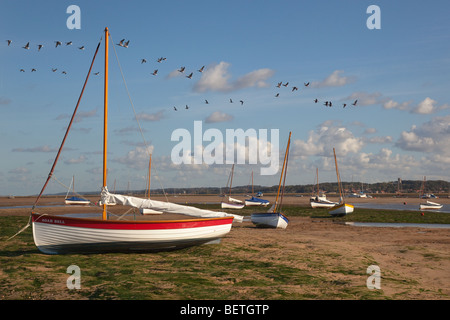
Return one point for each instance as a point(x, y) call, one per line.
point(77, 202)
point(322, 204)
point(341, 210)
point(54, 235)
point(228, 205)
point(270, 220)
point(150, 211)
point(430, 205)
point(253, 203)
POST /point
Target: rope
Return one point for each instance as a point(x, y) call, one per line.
point(21, 230)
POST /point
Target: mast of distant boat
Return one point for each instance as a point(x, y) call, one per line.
point(282, 172)
point(105, 120)
point(341, 198)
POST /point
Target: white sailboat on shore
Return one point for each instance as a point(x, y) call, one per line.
point(274, 218)
point(232, 203)
point(342, 208)
point(428, 205)
point(186, 226)
point(320, 201)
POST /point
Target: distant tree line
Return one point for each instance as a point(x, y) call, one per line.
point(403, 186)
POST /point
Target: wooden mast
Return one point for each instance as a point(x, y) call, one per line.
point(282, 171)
point(338, 177)
point(105, 120)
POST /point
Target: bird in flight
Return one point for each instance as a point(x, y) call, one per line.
point(27, 46)
point(277, 95)
point(58, 43)
point(242, 102)
point(96, 74)
point(294, 88)
point(231, 101)
point(69, 43)
point(201, 69)
point(189, 76)
point(64, 72)
point(121, 43)
point(174, 108)
point(306, 84)
point(143, 61)
point(22, 70)
point(206, 101)
point(33, 70)
point(326, 103)
point(279, 85)
point(181, 69)
point(354, 103)
point(186, 107)
point(9, 42)
point(344, 105)
point(286, 84)
point(315, 100)
point(54, 69)
point(161, 59)
point(39, 47)
point(81, 48)
point(155, 72)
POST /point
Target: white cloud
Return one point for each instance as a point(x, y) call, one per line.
point(427, 106)
point(151, 116)
point(334, 80)
point(80, 159)
point(433, 136)
point(217, 78)
point(35, 149)
point(218, 117)
point(391, 104)
point(322, 141)
point(137, 158)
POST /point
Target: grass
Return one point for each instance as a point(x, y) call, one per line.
point(233, 271)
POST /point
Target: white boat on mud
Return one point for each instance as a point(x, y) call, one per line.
point(429, 205)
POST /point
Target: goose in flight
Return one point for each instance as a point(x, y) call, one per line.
point(201, 69)
point(155, 72)
point(143, 61)
point(174, 108)
point(279, 85)
point(242, 102)
point(189, 76)
point(277, 95)
point(306, 84)
point(58, 43)
point(27, 46)
point(81, 48)
point(69, 43)
point(9, 42)
point(120, 44)
point(315, 100)
point(286, 84)
point(206, 101)
point(181, 69)
point(40, 47)
point(294, 88)
point(354, 103)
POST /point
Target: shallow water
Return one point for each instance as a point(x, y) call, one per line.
point(399, 225)
point(398, 206)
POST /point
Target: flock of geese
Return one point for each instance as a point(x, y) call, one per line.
point(125, 43)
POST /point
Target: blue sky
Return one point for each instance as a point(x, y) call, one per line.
point(399, 74)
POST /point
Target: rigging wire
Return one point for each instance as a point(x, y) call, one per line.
point(135, 115)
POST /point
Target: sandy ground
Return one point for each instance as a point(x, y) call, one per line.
point(411, 260)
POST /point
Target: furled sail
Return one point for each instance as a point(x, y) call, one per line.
point(168, 207)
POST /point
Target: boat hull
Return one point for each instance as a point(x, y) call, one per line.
point(76, 201)
point(231, 205)
point(256, 202)
point(322, 204)
point(59, 234)
point(270, 220)
point(430, 206)
point(341, 210)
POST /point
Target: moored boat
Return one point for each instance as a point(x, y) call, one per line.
point(342, 208)
point(274, 218)
point(59, 233)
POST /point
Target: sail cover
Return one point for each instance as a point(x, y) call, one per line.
point(168, 207)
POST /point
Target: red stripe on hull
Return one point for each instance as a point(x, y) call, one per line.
point(130, 225)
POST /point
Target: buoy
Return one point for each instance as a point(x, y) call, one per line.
point(404, 202)
point(422, 214)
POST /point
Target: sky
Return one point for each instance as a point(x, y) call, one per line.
point(398, 73)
